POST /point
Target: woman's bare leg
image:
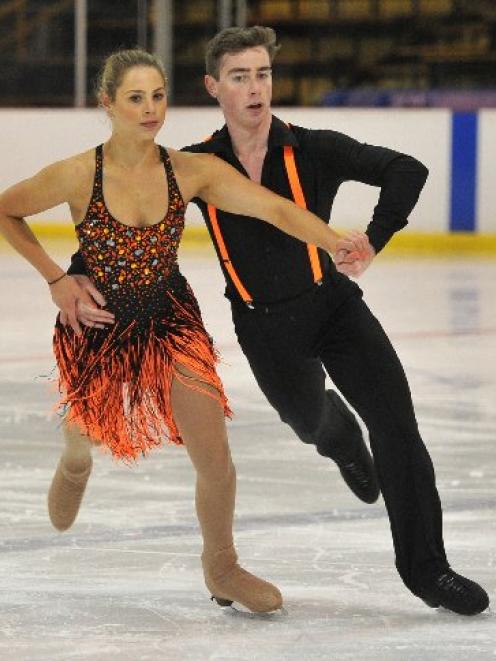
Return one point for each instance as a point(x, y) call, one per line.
point(200, 421)
point(70, 479)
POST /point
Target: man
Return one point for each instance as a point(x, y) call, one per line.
point(295, 313)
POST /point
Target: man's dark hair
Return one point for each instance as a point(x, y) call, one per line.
point(235, 40)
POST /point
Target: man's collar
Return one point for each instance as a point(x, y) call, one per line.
point(279, 135)
point(219, 141)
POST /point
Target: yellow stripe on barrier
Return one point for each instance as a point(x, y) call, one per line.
point(449, 244)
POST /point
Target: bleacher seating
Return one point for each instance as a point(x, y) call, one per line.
point(341, 51)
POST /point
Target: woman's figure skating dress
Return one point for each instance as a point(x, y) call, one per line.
point(116, 381)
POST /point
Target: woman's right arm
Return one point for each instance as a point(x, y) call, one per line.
point(52, 186)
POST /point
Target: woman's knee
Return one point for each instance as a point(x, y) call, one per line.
point(221, 472)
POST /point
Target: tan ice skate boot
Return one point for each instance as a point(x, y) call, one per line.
point(70, 479)
point(229, 582)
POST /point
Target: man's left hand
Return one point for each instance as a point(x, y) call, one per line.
point(354, 254)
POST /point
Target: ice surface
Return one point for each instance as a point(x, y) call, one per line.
point(125, 582)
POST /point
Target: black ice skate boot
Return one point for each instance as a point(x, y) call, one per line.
point(455, 593)
point(345, 445)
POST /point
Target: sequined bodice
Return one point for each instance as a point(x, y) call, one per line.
point(130, 262)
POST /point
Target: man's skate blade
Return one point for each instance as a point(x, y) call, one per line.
point(487, 613)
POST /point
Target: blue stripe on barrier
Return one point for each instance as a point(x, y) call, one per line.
point(463, 172)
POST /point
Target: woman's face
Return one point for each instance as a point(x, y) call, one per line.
point(140, 103)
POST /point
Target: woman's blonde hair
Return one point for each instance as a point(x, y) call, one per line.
point(118, 63)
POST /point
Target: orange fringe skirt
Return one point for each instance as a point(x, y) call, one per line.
point(115, 383)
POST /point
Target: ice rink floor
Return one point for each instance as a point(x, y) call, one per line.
point(124, 584)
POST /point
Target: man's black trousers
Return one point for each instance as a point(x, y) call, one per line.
point(289, 344)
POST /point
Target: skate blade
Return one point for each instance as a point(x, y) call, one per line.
point(238, 610)
point(223, 603)
point(441, 609)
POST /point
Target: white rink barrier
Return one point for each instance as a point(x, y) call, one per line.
point(460, 195)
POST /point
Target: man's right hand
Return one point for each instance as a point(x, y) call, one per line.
point(78, 300)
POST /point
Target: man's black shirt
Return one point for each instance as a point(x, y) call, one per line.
point(275, 267)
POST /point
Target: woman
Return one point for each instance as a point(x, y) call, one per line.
point(152, 374)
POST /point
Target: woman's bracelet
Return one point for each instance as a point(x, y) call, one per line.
point(52, 282)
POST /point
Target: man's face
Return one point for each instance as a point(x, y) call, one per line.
point(244, 88)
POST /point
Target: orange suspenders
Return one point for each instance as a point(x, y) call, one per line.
point(299, 198)
point(212, 214)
